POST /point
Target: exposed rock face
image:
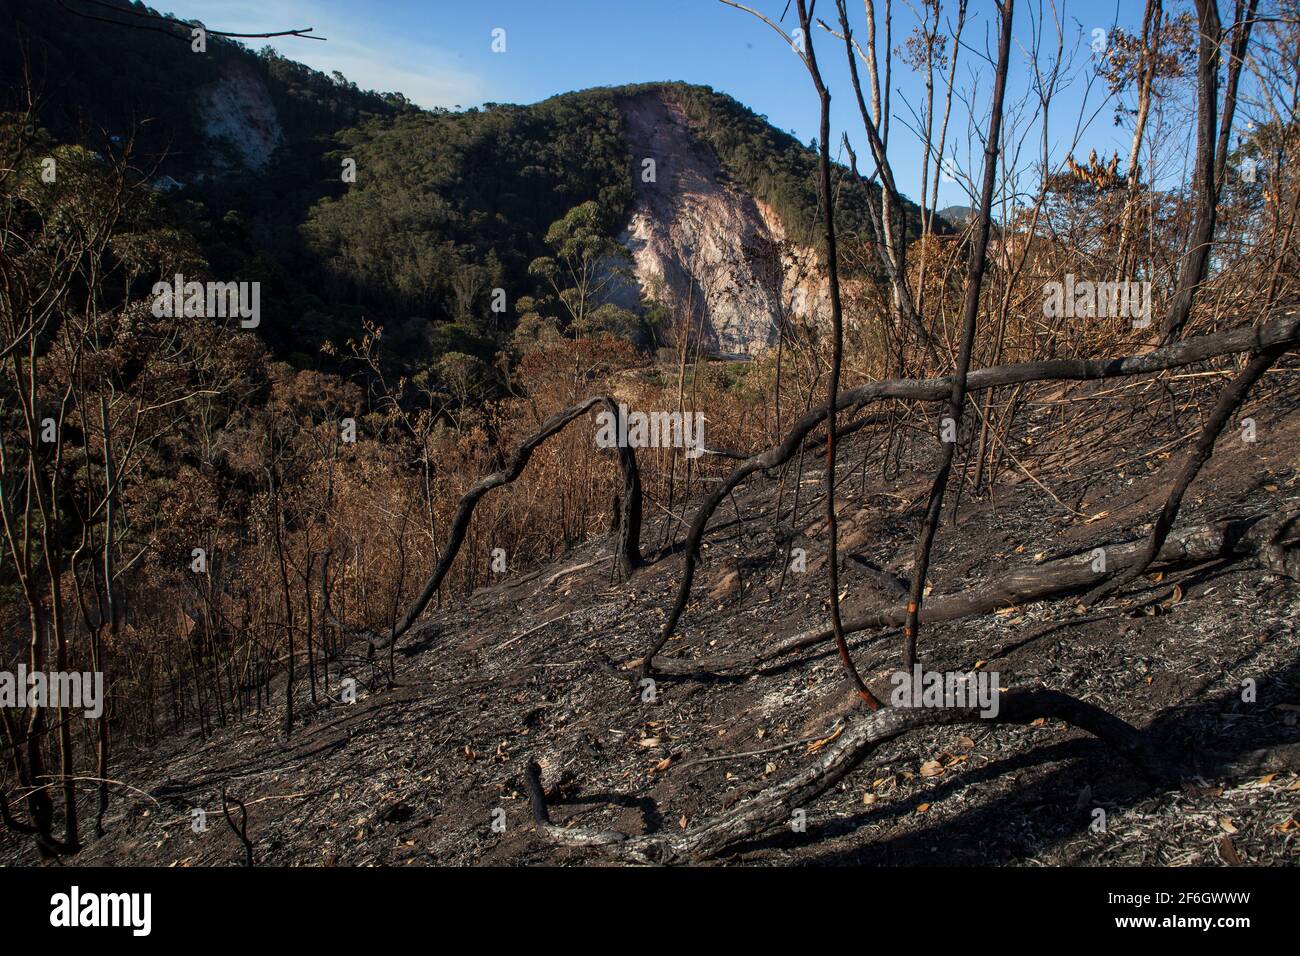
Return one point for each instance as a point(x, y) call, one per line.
point(238, 109)
point(704, 248)
point(804, 289)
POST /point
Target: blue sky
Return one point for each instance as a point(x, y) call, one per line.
point(438, 53)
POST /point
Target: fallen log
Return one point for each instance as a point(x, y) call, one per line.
point(773, 807)
point(1260, 536)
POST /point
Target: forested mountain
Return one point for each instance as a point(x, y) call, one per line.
point(445, 206)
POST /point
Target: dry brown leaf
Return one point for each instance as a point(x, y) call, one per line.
point(817, 745)
point(931, 768)
point(1229, 852)
point(923, 808)
point(1226, 824)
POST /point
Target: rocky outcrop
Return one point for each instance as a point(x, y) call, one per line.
point(237, 109)
point(804, 288)
point(707, 250)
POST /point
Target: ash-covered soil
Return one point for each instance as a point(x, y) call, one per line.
point(419, 772)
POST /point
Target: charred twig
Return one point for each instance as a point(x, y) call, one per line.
point(888, 249)
point(302, 32)
point(970, 310)
point(1210, 140)
point(837, 357)
point(241, 830)
point(763, 751)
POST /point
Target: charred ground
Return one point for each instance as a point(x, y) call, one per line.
point(412, 773)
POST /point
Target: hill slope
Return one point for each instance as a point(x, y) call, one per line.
point(415, 773)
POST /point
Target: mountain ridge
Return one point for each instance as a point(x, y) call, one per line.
point(447, 206)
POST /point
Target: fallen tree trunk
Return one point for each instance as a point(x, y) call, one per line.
point(1284, 330)
point(1258, 536)
point(773, 807)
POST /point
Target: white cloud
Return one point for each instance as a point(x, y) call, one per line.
point(424, 73)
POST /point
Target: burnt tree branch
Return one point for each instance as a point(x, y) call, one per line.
point(1234, 393)
point(773, 807)
point(629, 547)
point(1185, 352)
point(970, 311)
